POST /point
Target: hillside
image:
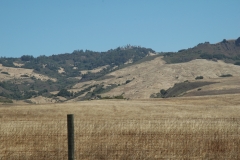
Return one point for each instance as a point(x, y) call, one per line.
point(129, 72)
point(142, 80)
point(226, 50)
point(27, 77)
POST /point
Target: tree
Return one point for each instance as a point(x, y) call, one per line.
point(224, 41)
point(64, 93)
point(27, 58)
point(237, 42)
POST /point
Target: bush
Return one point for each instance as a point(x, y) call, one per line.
point(114, 97)
point(24, 75)
point(163, 92)
point(5, 100)
point(4, 72)
point(28, 101)
point(199, 77)
point(64, 93)
point(128, 81)
point(226, 75)
point(119, 97)
point(237, 63)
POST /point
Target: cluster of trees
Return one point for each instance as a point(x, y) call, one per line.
point(20, 91)
point(8, 62)
point(81, 60)
point(27, 58)
point(212, 56)
point(65, 93)
point(221, 57)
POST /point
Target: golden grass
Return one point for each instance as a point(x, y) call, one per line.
point(151, 76)
point(123, 139)
point(179, 128)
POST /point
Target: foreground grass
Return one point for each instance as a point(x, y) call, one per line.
point(177, 128)
point(123, 139)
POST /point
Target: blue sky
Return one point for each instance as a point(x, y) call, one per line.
point(46, 27)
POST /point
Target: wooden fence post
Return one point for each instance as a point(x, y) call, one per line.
point(70, 130)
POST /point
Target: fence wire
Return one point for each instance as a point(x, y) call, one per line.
point(122, 139)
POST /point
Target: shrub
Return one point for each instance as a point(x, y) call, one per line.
point(119, 97)
point(5, 100)
point(199, 77)
point(237, 63)
point(64, 93)
point(24, 75)
point(128, 81)
point(163, 92)
point(182, 50)
point(4, 72)
point(114, 97)
point(226, 75)
point(28, 101)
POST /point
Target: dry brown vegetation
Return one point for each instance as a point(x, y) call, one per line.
point(176, 128)
point(150, 77)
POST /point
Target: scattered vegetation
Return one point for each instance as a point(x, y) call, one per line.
point(79, 60)
point(26, 89)
point(72, 63)
point(179, 89)
point(113, 97)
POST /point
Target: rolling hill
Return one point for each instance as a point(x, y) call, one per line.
point(129, 72)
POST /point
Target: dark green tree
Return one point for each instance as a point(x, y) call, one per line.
point(64, 93)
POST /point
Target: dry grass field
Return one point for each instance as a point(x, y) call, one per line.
point(151, 76)
point(175, 128)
